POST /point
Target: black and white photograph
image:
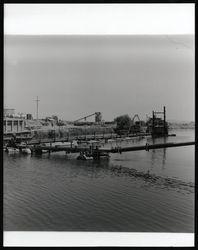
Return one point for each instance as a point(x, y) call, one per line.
point(99, 122)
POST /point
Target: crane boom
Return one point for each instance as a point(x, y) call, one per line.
point(85, 117)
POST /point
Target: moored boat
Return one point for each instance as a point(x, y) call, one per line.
point(12, 150)
point(84, 157)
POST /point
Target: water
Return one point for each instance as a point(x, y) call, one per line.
point(141, 191)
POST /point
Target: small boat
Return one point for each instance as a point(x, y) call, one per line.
point(23, 148)
point(26, 150)
point(111, 140)
point(44, 151)
point(84, 157)
point(12, 150)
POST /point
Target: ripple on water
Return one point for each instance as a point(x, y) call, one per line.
point(58, 192)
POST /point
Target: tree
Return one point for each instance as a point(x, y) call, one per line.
point(123, 122)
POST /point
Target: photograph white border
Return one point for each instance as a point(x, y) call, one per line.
point(97, 239)
point(98, 19)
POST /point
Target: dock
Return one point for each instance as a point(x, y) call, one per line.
point(147, 147)
point(96, 152)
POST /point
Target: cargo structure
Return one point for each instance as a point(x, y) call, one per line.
point(157, 126)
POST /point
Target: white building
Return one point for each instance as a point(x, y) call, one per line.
point(12, 123)
point(9, 112)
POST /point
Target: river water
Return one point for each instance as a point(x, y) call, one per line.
point(140, 191)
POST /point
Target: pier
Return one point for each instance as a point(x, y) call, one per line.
point(147, 147)
point(96, 152)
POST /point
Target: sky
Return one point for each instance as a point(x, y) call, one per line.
point(105, 19)
point(77, 69)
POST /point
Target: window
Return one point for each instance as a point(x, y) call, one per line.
point(9, 123)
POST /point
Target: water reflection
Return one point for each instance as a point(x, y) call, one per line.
point(147, 162)
point(159, 154)
point(164, 154)
point(59, 192)
point(70, 168)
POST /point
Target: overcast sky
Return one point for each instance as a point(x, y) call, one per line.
point(99, 19)
point(77, 75)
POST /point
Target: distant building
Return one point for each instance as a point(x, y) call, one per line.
point(157, 126)
point(13, 125)
point(9, 112)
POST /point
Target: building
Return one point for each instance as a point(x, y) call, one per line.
point(13, 125)
point(9, 112)
point(29, 117)
point(157, 126)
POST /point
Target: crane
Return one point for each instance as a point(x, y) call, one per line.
point(135, 126)
point(136, 115)
point(85, 117)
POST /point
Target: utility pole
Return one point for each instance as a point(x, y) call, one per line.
point(165, 130)
point(37, 100)
point(153, 123)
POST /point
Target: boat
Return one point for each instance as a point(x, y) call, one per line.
point(12, 150)
point(84, 157)
point(23, 148)
point(44, 151)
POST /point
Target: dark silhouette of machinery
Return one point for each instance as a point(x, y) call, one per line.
point(98, 118)
point(136, 126)
point(136, 115)
point(156, 125)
